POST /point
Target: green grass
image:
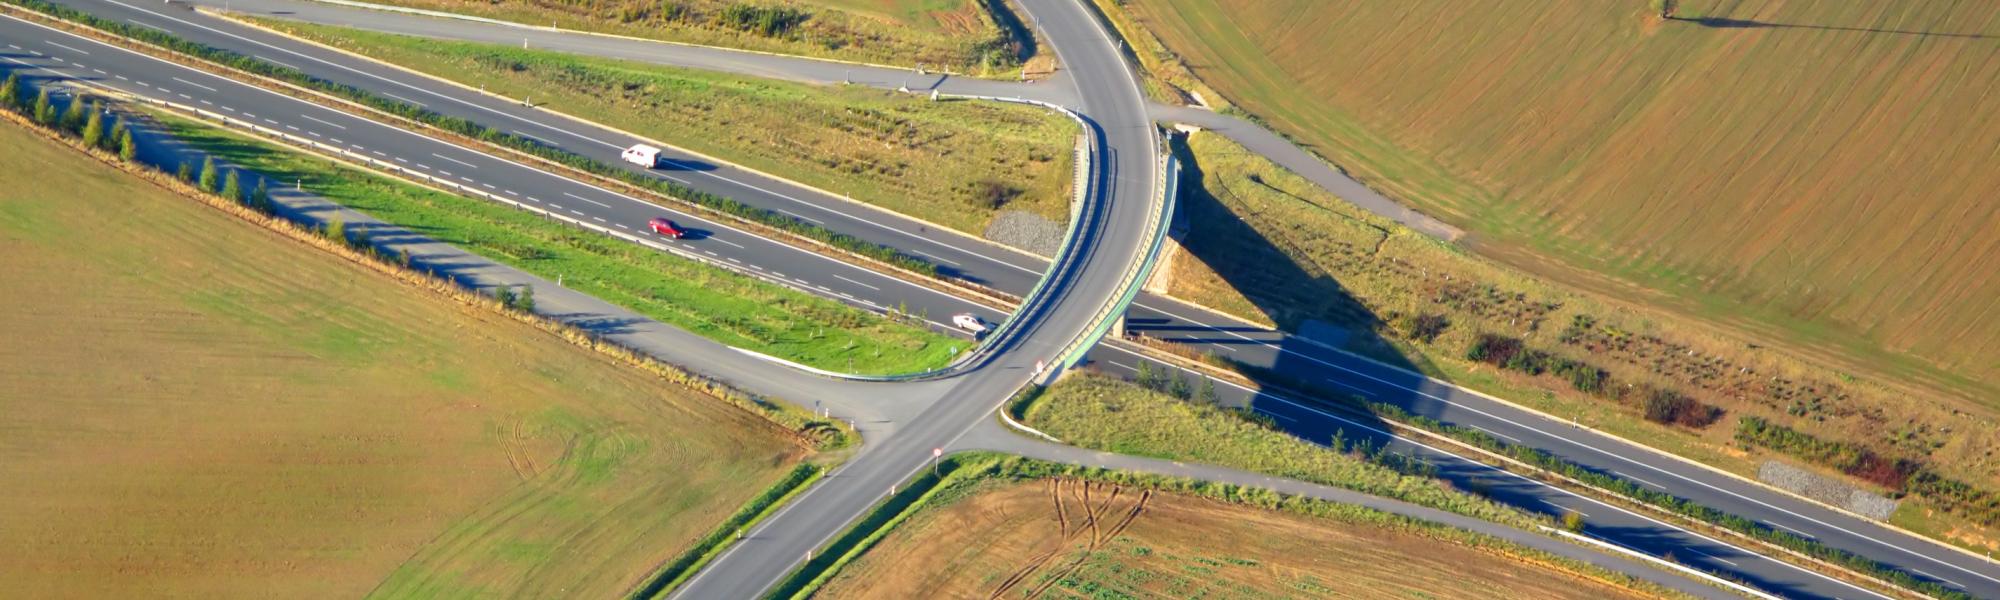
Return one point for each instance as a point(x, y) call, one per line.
point(1104, 413)
point(1267, 245)
point(718, 304)
point(938, 161)
point(960, 35)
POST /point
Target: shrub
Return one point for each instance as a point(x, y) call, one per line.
point(232, 187)
point(10, 92)
point(1426, 327)
point(45, 113)
point(1493, 349)
point(74, 115)
point(93, 127)
point(1573, 521)
point(505, 295)
point(336, 230)
point(992, 194)
point(1670, 407)
point(126, 149)
point(525, 301)
point(767, 21)
point(260, 199)
point(185, 172)
point(208, 175)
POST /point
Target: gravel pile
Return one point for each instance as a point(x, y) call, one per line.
point(1826, 489)
point(1026, 231)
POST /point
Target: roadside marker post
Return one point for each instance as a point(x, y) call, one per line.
point(936, 453)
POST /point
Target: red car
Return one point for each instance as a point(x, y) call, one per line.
point(667, 228)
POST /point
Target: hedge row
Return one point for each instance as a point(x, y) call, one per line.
point(1901, 474)
point(1659, 405)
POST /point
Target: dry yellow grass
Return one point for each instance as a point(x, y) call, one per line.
point(1075, 540)
point(1816, 173)
point(193, 406)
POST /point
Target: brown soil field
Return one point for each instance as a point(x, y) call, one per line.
point(1069, 539)
point(1817, 174)
point(194, 406)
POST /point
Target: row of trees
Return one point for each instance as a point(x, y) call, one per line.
point(79, 119)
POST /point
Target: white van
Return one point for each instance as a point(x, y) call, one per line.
point(642, 155)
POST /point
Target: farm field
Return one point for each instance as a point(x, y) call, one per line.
point(1814, 174)
point(723, 305)
point(194, 406)
point(1269, 246)
point(957, 164)
point(960, 35)
point(1078, 539)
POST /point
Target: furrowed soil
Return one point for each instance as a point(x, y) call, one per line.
point(1070, 539)
point(960, 35)
point(954, 163)
point(193, 406)
point(1816, 174)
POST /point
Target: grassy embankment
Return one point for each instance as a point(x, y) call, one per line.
point(965, 36)
point(1077, 538)
point(1105, 413)
point(954, 163)
point(724, 306)
point(199, 407)
point(1351, 269)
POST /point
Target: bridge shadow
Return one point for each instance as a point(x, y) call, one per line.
point(1728, 23)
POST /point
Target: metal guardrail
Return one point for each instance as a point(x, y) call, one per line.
point(1135, 275)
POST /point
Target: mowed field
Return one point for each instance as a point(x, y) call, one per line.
point(1070, 539)
point(193, 406)
point(1819, 173)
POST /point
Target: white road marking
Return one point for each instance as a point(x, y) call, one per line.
point(586, 200)
point(454, 160)
point(419, 104)
point(1921, 572)
point(144, 24)
point(71, 49)
point(1495, 434)
point(275, 62)
point(1615, 472)
point(195, 84)
point(1711, 557)
point(323, 121)
point(723, 241)
point(857, 283)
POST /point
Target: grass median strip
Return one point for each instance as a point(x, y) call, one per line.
point(1110, 414)
point(953, 163)
point(730, 308)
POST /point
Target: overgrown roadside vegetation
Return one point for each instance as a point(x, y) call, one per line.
point(1110, 414)
point(1064, 537)
point(247, 415)
point(1271, 247)
point(727, 307)
point(966, 475)
point(954, 163)
point(979, 37)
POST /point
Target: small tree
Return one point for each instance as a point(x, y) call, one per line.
point(1144, 374)
point(1573, 521)
point(74, 115)
point(525, 302)
point(260, 199)
point(93, 129)
point(1206, 393)
point(118, 129)
point(505, 295)
point(336, 230)
point(10, 92)
point(126, 149)
point(1178, 386)
point(232, 187)
point(45, 112)
point(208, 175)
point(186, 172)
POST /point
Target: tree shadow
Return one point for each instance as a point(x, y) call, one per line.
point(1728, 23)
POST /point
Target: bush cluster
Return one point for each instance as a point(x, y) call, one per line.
point(1659, 405)
point(1903, 475)
point(474, 130)
point(767, 21)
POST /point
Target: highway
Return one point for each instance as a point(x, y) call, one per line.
point(1010, 271)
point(782, 263)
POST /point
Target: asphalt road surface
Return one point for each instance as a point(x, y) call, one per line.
point(1294, 357)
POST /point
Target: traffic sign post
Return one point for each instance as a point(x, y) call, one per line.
point(936, 453)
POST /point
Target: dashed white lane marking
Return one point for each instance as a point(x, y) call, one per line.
point(600, 219)
point(733, 259)
point(291, 127)
point(99, 71)
point(538, 200)
point(723, 241)
point(194, 84)
point(422, 166)
point(247, 114)
point(509, 192)
point(121, 78)
point(799, 216)
point(857, 283)
point(313, 133)
point(185, 97)
point(577, 213)
point(455, 160)
point(270, 121)
point(335, 140)
point(205, 101)
point(227, 108)
point(586, 200)
point(324, 122)
point(488, 186)
point(36, 53)
point(1121, 365)
point(377, 152)
point(709, 252)
point(399, 159)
